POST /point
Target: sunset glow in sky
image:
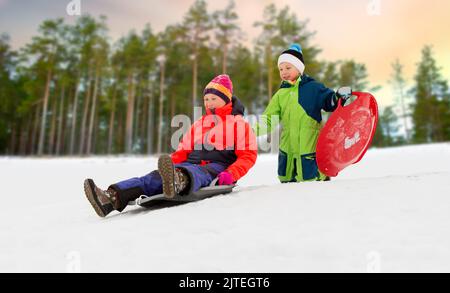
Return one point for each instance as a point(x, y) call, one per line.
point(374, 32)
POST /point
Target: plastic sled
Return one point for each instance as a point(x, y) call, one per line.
point(205, 192)
point(347, 134)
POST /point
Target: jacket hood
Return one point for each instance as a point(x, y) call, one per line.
point(238, 107)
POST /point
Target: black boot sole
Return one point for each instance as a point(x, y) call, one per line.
point(166, 170)
point(89, 190)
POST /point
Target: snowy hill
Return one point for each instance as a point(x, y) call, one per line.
point(389, 213)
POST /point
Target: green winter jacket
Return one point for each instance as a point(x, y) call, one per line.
point(299, 109)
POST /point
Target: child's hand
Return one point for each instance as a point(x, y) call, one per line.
point(225, 178)
point(344, 93)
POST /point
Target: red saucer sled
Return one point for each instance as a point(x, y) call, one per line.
point(347, 134)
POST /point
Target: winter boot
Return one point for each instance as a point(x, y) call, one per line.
point(174, 180)
point(103, 201)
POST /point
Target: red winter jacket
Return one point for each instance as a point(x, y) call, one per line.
point(219, 137)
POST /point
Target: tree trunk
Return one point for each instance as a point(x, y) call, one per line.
point(25, 137)
point(111, 121)
point(121, 132)
point(96, 129)
point(85, 114)
point(60, 121)
point(194, 84)
point(93, 111)
point(437, 125)
point(166, 131)
point(150, 125)
point(66, 110)
point(130, 113)
point(12, 141)
point(143, 129)
point(51, 142)
point(195, 71)
point(74, 118)
point(405, 123)
point(137, 111)
point(261, 80)
point(225, 57)
point(65, 129)
point(172, 114)
point(35, 131)
point(269, 73)
point(161, 104)
point(44, 114)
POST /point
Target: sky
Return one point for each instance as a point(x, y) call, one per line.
point(373, 32)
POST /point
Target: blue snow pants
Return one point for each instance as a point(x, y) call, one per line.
point(151, 184)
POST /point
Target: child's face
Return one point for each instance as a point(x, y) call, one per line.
point(213, 102)
point(288, 72)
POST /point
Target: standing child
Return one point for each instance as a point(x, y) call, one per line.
point(220, 145)
point(298, 104)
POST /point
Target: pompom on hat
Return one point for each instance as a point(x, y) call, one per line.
point(294, 56)
point(220, 86)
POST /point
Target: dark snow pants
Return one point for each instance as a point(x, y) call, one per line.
point(151, 184)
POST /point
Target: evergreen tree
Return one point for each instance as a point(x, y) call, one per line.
point(353, 74)
point(227, 31)
point(178, 83)
point(48, 50)
point(430, 112)
point(280, 28)
point(132, 51)
point(8, 92)
point(329, 75)
point(244, 70)
point(389, 126)
point(89, 40)
point(196, 25)
point(378, 138)
point(398, 83)
point(150, 46)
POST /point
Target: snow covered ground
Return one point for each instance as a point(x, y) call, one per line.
point(389, 213)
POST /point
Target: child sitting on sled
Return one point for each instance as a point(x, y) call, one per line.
point(219, 145)
point(298, 104)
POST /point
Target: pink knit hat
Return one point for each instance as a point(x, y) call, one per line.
point(220, 86)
